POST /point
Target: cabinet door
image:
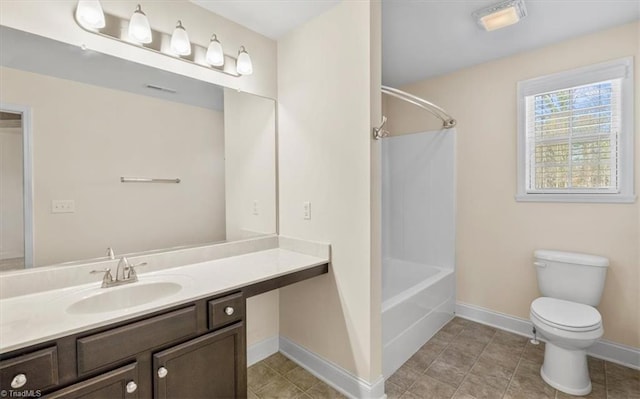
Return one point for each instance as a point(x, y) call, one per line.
point(116, 384)
point(212, 366)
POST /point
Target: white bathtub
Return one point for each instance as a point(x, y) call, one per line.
point(417, 300)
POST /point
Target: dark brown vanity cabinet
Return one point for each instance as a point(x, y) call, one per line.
point(211, 366)
point(194, 350)
point(116, 384)
point(33, 371)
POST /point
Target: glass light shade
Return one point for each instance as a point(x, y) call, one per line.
point(502, 14)
point(500, 19)
point(139, 29)
point(180, 43)
point(89, 14)
point(244, 65)
point(215, 55)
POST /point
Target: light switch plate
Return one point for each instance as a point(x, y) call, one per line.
point(63, 206)
point(306, 207)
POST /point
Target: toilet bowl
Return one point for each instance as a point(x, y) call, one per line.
point(565, 316)
point(569, 329)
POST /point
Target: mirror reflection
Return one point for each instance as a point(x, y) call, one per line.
point(79, 129)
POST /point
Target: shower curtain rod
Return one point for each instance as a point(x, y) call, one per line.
point(447, 121)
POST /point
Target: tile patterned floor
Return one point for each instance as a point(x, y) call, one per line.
point(464, 360)
point(279, 377)
point(467, 360)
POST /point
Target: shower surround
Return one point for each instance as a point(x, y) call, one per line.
point(418, 224)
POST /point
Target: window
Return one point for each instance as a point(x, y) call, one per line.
point(575, 139)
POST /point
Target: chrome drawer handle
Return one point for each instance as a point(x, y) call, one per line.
point(228, 310)
point(18, 381)
point(162, 372)
point(131, 387)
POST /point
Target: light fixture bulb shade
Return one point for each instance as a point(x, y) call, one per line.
point(139, 29)
point(500, 15)
point(180, 43)
point(500, 19)
point(244, 65)
point(215, 55)
point(89, 14)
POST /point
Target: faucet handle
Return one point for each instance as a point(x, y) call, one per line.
point(132, 271)
point(110, 253)
point(106, 271)
point(107, 278)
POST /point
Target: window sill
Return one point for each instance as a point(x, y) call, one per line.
point(578, 198)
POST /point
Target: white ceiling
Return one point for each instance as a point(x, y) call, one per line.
point(426, 38)
point(422, 39)
point(272, 18)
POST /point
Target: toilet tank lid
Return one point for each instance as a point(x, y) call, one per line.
point(571, 257)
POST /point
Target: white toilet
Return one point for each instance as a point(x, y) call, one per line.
point(571, 285)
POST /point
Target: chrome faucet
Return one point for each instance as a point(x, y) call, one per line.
point(110, 253)
point(123, 266)
point(125, 273)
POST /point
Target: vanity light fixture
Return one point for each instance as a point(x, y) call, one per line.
point(180, 43)
point(139, 28)
point(500, 15)
point(244, 65)
point(89, 14)
point(215, 55)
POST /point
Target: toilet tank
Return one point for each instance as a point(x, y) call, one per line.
point(571, 276)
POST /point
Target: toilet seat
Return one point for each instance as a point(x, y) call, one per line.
point(566, 315)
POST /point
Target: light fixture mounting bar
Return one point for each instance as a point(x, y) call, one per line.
point(116, 28)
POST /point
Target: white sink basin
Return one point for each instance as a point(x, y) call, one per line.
point(126, 296)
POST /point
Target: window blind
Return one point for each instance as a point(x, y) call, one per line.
point(572, 139)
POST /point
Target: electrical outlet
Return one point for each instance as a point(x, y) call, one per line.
point(63, 206)
point(256, 208)
point(306, 207)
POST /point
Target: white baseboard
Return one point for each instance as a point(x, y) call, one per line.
point(334, 375)
point(617, 353)
point(492, 318)
point(262, 350)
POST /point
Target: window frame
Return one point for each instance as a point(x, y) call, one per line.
point(616, 69)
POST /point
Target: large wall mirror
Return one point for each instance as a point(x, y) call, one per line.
point(74, 122)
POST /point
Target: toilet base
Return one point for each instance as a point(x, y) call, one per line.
point(566, 370)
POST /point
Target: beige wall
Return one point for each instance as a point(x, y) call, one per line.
point(250, 164)
point(86, 137)
point(497, 235)
point(325, 98)
point(263, 317)
point(250, 169)
point(55, 19)
point(11, 198)
point(375, 39)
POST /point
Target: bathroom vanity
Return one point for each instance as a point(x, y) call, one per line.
point(152, 187)
point(190, 344)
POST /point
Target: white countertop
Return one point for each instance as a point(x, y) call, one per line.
point(30, 319)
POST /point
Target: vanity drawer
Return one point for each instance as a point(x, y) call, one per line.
point(33, 371)
point(119, 383)
point(226, 310)
point(102, 349)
